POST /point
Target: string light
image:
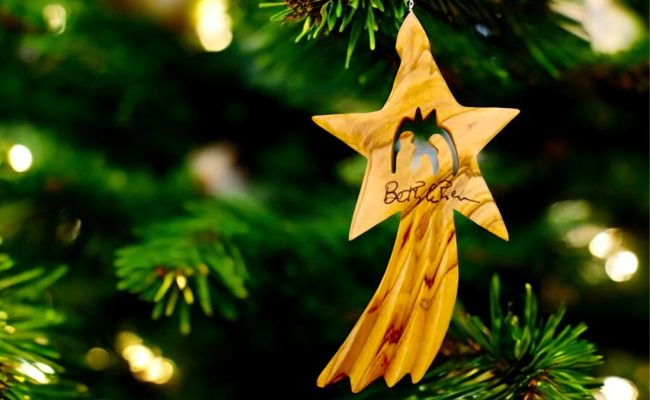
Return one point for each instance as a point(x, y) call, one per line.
point(144, 364)
point(159, 371)
point(615, 388)
point(605, 243)
point(582, 235)
point(33, 372)
point(20, 158)
point(55, 16)
point(216, 169)
point(606, 24)
point(126, 339)
point(621, 266)
point(97, 358)
point(569, 211)
point(213, 25)
point(138, 356)
point(44, 367)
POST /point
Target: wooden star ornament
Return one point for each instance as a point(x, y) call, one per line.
point(402, 328)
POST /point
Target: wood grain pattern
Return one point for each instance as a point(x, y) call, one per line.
point(401, 330)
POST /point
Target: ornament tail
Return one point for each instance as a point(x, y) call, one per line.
point(404, 325)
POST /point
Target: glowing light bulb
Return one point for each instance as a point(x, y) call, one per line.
point(138, 356)
point(609, 26)
point(32, 372)
point(97, 358)
point(159, 371)
point(582, 235)
point(603, 244)
point(20, 158)
point(126, 339)
point(216, 169)
point(213, 25)
point(615, 388)
point(55, 16)
point(44, 367)
point(569, 211)
point(621, 266)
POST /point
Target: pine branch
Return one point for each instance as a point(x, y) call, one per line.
point(177, 260)
point(322, 17)
point(27, 366)
point(530, 27)
point(197, 257)
point(518, 357)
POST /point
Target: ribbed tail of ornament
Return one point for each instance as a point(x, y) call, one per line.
point(403, 327)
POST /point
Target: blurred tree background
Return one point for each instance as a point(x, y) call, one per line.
point(174, 226)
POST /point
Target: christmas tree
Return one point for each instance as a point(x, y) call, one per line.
point(174, 226)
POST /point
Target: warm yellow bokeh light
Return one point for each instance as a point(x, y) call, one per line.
point(147, 365)
point(605, 243)
point(20, 158)
point(608, 25)
point(32, 372)
point(568, 211)
point(611, 26)
point(55, 16)
point(97, 358)
point(44, 367)
point(621, 266)
point(159, 371)
point(615, 388)
point(213, 25)
point(126, 339)
point(138, 356)
point(582, 235)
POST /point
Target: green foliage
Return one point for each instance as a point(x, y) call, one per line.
point(59, 167)
point(517, 27)
point(177, 259)
point(518, 357)
point(27, 366)
point(325, 17)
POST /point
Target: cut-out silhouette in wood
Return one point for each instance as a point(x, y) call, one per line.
point(422, 129)
point(402, 329)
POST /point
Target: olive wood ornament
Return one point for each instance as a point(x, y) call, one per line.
point(403, 327)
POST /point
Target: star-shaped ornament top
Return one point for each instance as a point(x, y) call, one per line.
point(420, 85)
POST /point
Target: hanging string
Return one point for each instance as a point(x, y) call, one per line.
point(410, 5)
